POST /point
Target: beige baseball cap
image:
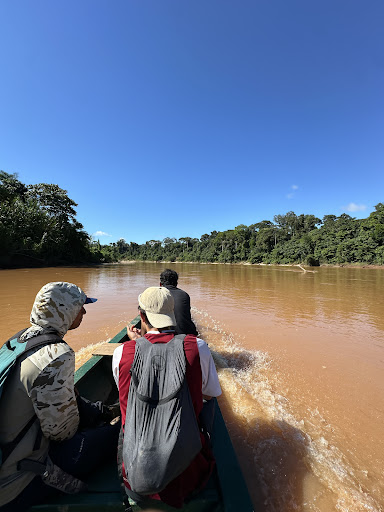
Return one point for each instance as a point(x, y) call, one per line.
point(158, 305)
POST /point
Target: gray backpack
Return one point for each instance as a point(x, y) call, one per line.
point(161, 434)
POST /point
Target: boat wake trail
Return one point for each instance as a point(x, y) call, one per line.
point(288, 461)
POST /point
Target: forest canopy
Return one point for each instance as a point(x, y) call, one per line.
point(290, 238)
point(38, 226)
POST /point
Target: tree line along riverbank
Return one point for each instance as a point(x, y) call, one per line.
point(38, 227)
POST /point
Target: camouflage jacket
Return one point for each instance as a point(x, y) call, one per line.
point(41, 384)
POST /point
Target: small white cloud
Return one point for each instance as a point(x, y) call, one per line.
point(292, 194)
point(353, 207)
point(101, 233)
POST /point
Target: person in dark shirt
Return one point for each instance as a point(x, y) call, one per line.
point(185, 325)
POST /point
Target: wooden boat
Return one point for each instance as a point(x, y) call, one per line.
point(226, 491)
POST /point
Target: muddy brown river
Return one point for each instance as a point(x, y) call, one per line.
point(300, 358)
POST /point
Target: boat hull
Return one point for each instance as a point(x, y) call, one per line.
point(226, 491)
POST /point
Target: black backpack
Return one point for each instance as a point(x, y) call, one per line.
point(161, 434)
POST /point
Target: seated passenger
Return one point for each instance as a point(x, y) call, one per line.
point(158, 328)
point(41, 415)
point(184, 323)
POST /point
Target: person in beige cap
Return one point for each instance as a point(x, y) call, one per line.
point(156, 306)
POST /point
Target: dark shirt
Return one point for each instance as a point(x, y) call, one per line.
point(184, 321)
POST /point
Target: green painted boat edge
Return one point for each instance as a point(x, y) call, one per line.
point(228, 468)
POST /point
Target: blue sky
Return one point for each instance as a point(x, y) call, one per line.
point(175, 118)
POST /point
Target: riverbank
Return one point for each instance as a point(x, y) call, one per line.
point(326, 265)
point(165, 262)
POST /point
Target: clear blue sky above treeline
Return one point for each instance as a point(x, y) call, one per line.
point(175, 118)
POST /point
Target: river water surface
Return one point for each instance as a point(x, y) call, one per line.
point(300, 359)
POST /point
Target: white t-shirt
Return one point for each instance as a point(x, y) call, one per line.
point(210, 380)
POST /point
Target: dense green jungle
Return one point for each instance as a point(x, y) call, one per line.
point(38, 227)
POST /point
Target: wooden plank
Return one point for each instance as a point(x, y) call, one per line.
point(94, 361)
point(106, 349)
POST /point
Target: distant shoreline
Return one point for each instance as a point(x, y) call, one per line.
point(247, 263)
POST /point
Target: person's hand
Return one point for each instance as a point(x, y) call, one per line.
point(133, 332)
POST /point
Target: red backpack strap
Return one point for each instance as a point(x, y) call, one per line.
point(194, 377)
point(125, 364)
